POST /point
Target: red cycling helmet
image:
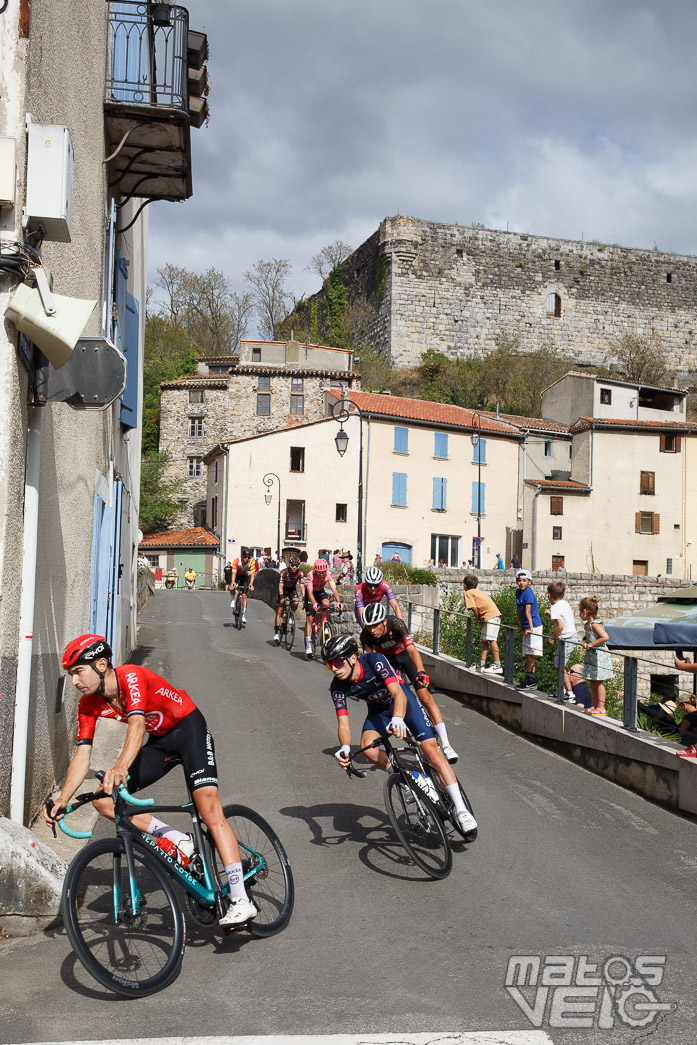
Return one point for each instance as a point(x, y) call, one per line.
point(85, 650)
point(321, 565)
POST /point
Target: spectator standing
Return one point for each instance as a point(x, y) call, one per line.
point(346, 573)
point(565, 634)
point(336, 559)
point(498, 565)
point(582, 696)
point(597, 664)
point(227, 575)
point(487, 613)
point(395, 557)
point(531, 626)
point(515, 562)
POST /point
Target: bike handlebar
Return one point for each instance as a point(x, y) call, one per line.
point(82, 800)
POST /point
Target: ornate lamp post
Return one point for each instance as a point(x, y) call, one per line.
point(268, 483)
point(341, 412)
point(475, 442)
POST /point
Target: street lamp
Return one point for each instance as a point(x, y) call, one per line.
point(475, 442)
point(341, 411)
point(268, 483)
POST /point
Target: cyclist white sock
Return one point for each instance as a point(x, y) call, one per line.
point(236, 880)
point(456, 798)
point(157, 827)
point(442, 733)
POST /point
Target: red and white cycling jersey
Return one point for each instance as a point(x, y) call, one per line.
point(141, 692)
point(244, 567)
point(318, 579)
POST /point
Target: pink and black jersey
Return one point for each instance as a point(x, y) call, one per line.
point(365, 594)
point(318, 579)
point(290, 578)
point(140, 692)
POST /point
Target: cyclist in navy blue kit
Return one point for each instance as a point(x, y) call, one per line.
point(392, 708)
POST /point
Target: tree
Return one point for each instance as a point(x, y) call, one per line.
point(329, 258)
point(204, 304)
point(271, 297)
point(159, 506)
point(169, 353)
point(640, 359)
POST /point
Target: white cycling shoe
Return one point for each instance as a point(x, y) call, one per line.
point(241, 910)
point(450, 753)
point(466, 822)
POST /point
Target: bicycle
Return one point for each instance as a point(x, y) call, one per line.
point(322, 630)
point(120, 908)
point(287, 625)
point(413, 815)
point(236, 605)
point(444, 803)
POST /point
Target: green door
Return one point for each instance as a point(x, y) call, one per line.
point(196, 558)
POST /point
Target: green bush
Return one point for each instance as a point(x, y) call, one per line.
point(402, 573)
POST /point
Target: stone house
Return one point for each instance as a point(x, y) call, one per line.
point(454, 288)
point(268, 386)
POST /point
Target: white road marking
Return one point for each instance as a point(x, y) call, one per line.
point(520, 1037)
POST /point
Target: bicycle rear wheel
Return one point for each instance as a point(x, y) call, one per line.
point(238, 613)
point(289, 632)
point(418, 825)
point(270, 885)
point(133, 953)
point(325, 633)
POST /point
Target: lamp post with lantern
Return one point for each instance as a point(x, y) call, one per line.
point(341, 411)
point(268, 483)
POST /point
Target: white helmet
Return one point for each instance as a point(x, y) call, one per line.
point(373, 575)
point(375, 613)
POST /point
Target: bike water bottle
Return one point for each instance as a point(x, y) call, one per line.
point(168, 846)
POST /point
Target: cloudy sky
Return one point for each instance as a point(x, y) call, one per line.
point(564, 118)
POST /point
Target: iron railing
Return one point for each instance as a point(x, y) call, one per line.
point(147, 59)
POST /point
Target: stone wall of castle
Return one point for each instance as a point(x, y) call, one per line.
point(454, 288)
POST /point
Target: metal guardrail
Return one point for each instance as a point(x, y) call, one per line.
point(147, 60)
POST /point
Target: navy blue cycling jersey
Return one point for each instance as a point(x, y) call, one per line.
point(375, 672)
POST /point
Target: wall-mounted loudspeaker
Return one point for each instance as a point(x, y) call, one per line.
point(55, 335)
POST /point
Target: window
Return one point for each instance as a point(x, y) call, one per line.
point(401, 441)
point(647, 522)
point(670, 444)
point(296, 404)
point(295, 521)
point(479, 452)
point(214, 512)
point(265, 384)
point(548, 447)
point(556, 506)
point(215, 474)
point(297, 458)
point(195, 395)
point(557, 266)
point(440, 487)
point(399, 489)
point(440, 448)
point(256, 355)
point(263, 403)
point(195, 426)
point(296, 384)
point(478, 498)
point(554, 306)
point(647, 482)
point(341, 512)
point(606, 396)
point(669, 277)
point(669, 564)
point(556, 533)
point(445, 549)
point(218, 369)
point(194, 467)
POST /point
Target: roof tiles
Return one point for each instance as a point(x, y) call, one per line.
point(195, 537)
point(377, 403)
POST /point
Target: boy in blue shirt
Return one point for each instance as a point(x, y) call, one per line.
point(531, 625)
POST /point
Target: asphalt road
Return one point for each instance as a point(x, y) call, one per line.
point(565, 864)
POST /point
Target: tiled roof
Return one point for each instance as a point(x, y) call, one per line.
point(292, 369)
point(559, 484)
point(196, 381)
point(303, 344)
point(196, 537)
point(534, 424)
point(421, 410)
point(584, 423)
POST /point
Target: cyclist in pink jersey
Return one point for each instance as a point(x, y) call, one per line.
point(176, 729)
point(372, 590)
point(316, 597)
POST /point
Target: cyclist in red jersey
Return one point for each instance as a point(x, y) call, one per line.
point(288, 582)
point(243, 570)
point(175, 727)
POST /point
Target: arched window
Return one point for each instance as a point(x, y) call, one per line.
point(554, 306)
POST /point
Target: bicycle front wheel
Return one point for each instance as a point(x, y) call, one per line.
point(325, 633)
point(270, 884)
point(129, 936)
point(289, 633)
point(418, 826)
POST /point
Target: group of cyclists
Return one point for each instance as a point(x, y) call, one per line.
point(176, 730)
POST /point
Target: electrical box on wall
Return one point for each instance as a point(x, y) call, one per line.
point(8, 171)
point(50, 173)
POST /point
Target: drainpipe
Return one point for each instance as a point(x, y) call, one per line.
point(533, 537)
point(26, 615)
point(223, 532)
point(365, 496)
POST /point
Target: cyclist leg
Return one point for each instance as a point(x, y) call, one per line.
point(407, 667)
point(309, 620)
point(376, 722)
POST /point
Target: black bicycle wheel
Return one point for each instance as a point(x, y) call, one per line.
point(238, 613)
point(271, 885)
point(418, 825)
point(289, 632)
point(133, 954)
point(325, 633)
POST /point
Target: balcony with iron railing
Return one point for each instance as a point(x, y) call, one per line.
point(155, 90)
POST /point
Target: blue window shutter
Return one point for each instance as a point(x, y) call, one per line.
point(441, 444)
point(444, 494)
point(479, 452)
point(399, 488)
point(439, 493)
point(475, 488)
point(120, 279)
point(401, 440)
point(483, 498)
point(129, 399)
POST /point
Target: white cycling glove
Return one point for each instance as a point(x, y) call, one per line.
point(397, 725)
point(343, 752)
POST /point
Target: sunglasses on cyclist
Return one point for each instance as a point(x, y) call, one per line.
point(374, 586)
point(337, 662)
